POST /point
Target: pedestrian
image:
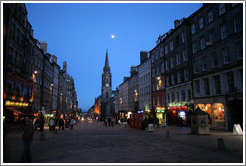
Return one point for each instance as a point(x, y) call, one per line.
point(41, 123)
point(72, 124)
point(61, 124)
point(51, 124)
point(27, 137)
point(157, 123)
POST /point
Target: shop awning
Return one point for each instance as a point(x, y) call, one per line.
point(14, 110)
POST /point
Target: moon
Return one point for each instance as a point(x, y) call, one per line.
point(112, 36)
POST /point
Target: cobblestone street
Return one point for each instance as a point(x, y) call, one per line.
point(91, 142)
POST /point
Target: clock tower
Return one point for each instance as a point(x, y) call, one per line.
point(106, 81)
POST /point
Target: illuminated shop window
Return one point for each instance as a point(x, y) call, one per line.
point(218, 114)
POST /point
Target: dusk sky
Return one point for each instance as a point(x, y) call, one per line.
point(80, 33)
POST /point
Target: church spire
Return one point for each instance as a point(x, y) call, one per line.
point(106, 67)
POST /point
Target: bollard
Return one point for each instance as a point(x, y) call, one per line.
point(42, 136)
point(168, 134)
point(221, 144)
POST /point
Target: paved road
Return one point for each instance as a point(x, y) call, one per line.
point(91, 142)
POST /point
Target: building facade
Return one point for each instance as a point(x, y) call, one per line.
point(158, 81)
point(133, 91)
point(217, 51)
point(144, 82)
point(177, 73)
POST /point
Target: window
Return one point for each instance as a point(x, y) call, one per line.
point(179, 77)
point(204, 64)
point(166, 49)
point(210, 16)
point(223, 31)
point(217, 84)
point(171, 46)
point(189, 94)
point(214, 60)
point(185, 55)
point(230, 81)
point(222, 9)
point(157, 55)
point(157, 70)
point(195, 67)
point(153, 72)
point(158, 101)
point(172, 62)
point(211, 38)
point(239, 50)
point(233, 4)
point(162, 52)
point(177, 96)
point(153, 58)
point(226, 55)
point(184, 37)
point(173, 79)
point(163, 101)
point(167, 81)
point(202, 43)
point(193, 28)
point(238, 26)
point(162, 67)
point(197, 86)
point(201, 24)
point(186, 75)
point(206, 86)
point(177, 41)
point(178, 58)
point(194, 48)
point(173, 97)
point(167, 64)
point(182, 95)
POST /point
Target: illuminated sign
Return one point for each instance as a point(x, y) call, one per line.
point(17, 104)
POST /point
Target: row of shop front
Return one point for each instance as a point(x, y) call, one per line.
point(219, 110)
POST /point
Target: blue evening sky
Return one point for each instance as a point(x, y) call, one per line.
point(80, 33)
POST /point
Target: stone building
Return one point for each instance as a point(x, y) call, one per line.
point(124, 98)
point(107, 110)
point(18, 68)
point(158, 80)
point(177, 72)
point(144, 82)
point(217, 58)
point(133, 91)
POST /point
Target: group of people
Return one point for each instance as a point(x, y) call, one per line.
point(109, 122)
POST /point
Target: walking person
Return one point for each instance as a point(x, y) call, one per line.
point(27, 137)
point(51, 124)
point(61, 124)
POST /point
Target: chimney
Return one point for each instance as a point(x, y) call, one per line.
point(176, 23)
point(43, 46)
point(54, 58)
point(143, 56)
point(133, 70)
